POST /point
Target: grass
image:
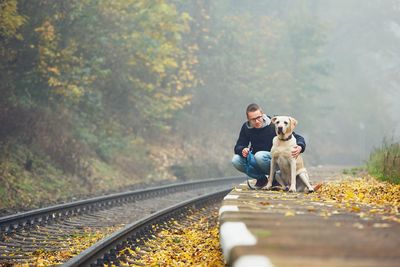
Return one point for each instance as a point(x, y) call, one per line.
point(384, 162)
point(22, 189)
point(42, 185)
point(354, 171)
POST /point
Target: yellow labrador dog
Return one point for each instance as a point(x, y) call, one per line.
point(292, 171)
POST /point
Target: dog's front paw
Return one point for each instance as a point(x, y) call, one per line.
point(268, 186)
point(310, 190)
point(292, 189)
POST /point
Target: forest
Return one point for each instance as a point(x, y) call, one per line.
point(97, 96)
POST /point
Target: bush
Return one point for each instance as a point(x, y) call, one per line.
point(384, 162)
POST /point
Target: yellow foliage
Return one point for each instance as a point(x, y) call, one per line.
point(54, 82)
point(170, 62)
point(71, 247)
point(74, 91)
point(139, 40)
point(54, 70)
point(194, 245)
point(365, 196)
point(59, 65)
point(47, 31)
point(367, 190)
point(10, 20)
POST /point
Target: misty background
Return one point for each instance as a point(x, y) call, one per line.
point(104, 94)
point(333, 65)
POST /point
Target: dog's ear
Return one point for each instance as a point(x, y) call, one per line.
point(273, 120)
point(293, 122)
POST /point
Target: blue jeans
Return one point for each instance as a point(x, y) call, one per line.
point(260, 167)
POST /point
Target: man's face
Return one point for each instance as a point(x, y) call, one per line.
point(255, 118)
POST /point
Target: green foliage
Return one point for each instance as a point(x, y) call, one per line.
point(108, 146)
point(130, 51)
point(10, 20)
point(384, 162)
point(354, 171)
point(93, 72)
point(83, 81)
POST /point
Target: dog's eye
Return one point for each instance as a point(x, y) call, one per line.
point(277, 122)
point(286, 123)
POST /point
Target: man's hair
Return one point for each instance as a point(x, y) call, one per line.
point(252, 107)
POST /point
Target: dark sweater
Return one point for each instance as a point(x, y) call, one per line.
point(261, 138)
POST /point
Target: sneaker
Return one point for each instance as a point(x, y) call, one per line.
point(261, 183)
point(278, 188)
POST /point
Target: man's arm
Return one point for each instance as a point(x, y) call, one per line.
point(300, 141)
point(242, 141)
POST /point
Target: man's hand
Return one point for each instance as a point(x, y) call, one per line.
point(295, 152)
point(245, 152)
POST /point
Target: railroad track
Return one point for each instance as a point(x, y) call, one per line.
point(63, 231)
point(114, 250)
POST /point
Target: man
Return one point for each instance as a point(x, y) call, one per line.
point(256, 137)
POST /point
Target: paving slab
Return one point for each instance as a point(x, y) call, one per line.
point(270, 228)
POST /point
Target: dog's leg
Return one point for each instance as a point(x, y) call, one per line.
point(300, 186)
point(279, 179)
point(292, 187)
point(271, 174)
point(306, 180)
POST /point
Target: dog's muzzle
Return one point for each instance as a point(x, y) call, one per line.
point(280, 130)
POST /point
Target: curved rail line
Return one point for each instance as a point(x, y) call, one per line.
point(48, 214)
point(26, 236)
point(106, 251)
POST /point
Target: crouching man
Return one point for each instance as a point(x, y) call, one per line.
point(252, 149)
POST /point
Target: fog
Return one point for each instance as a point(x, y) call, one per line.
point(333, 65)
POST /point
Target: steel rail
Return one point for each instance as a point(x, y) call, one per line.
point(45, 215)
point(106, 250)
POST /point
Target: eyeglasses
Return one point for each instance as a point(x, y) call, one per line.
point(256, 118)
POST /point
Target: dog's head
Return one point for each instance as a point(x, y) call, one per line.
point(284, 125)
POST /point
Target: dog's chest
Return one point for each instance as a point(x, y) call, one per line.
point(281, 151)
point(282, 148)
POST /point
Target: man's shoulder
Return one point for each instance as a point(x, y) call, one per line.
point(270, 127)
point(244, 126)
point(267, 129)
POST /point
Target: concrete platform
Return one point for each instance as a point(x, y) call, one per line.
point(269, 228)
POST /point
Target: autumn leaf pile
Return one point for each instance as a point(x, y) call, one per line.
point(364, 194)
point(72, 246)
point(193, 244)
point(366, 190)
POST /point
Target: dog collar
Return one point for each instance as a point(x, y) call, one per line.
point(286, 139)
